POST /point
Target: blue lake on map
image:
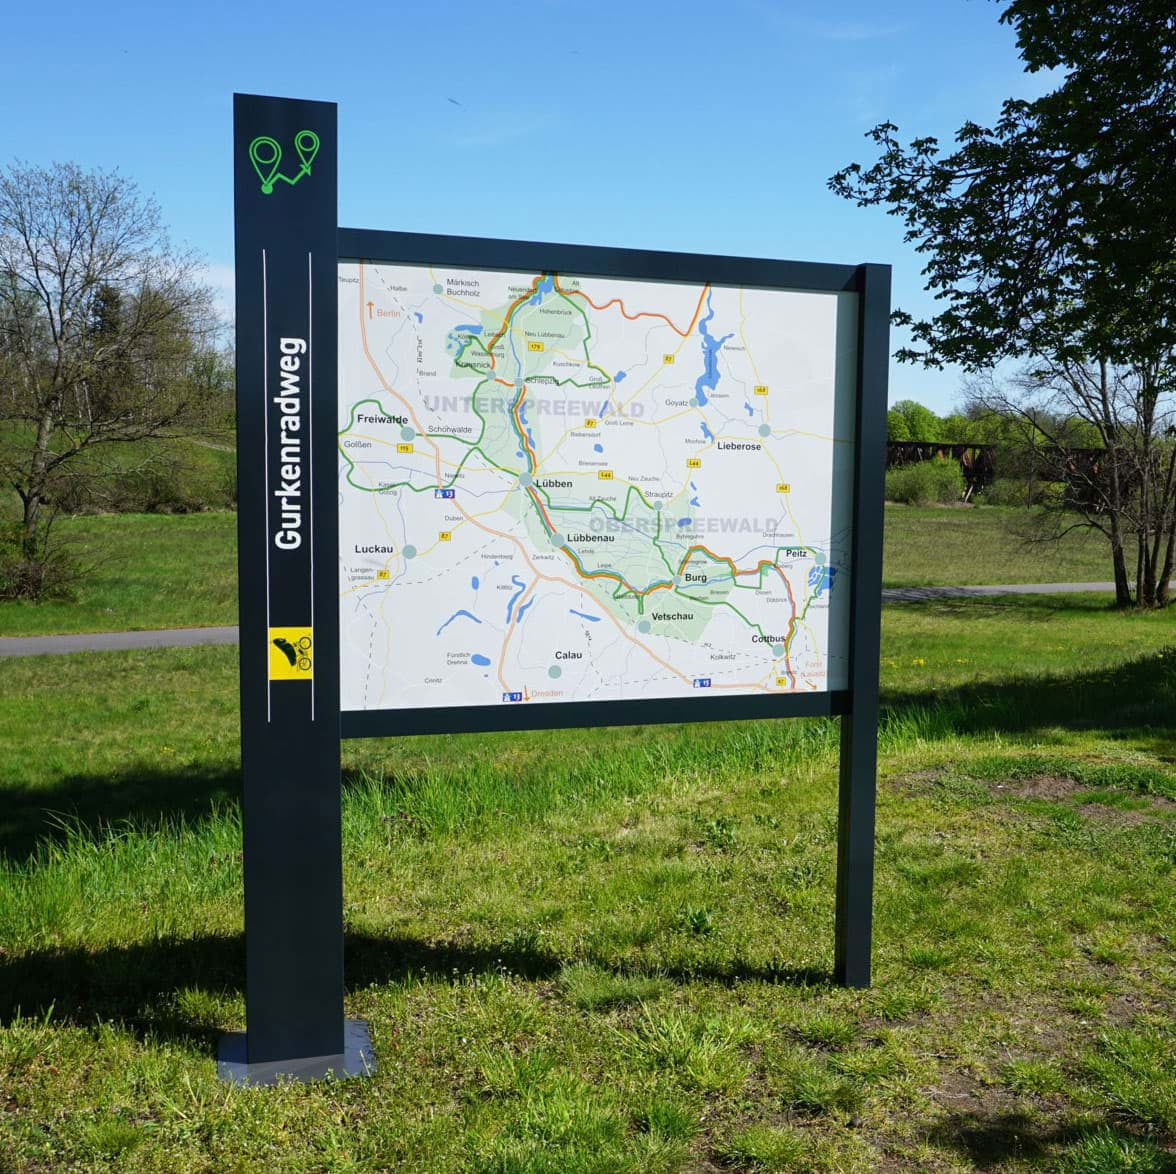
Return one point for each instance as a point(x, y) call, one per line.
point(544, 287)
point(514, 598)
point(821, 579)
point(711, 346)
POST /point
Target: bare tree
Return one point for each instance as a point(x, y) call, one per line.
point(105, 328)
point(1124, 483)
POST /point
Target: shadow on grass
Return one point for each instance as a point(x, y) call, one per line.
point(1137, 698)
point(143, 986)
point(1135, 701)
point(993, 1140)
point(90, 805)
point(988, 1139)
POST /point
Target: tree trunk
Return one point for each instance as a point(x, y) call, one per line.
point(1119, 557)
point(1118, 554)
point(1145, 583)
point(1166, 569)
point(35, 490)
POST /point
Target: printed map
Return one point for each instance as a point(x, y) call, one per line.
point(558, 488)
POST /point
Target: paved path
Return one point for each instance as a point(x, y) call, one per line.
point(918, 594)
point(115, 641)
point(187, 637)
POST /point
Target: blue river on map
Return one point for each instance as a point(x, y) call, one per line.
point(460, 612)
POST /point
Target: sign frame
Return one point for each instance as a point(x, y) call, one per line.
point(292, 815)
point(406, 248)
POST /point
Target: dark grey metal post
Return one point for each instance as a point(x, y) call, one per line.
point(859, 727)
point(287, 522)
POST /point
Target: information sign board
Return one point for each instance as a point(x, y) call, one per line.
point(490, 485)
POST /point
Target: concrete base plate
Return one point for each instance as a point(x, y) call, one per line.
point(357, 1059)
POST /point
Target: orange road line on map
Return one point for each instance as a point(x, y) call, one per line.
point(641, 314)
point(681, 566)
point(613, 302)
point(422, 432)
point(510, 632)
point(509, 311)
point(516, 412)
point(510, 537)
point(791, 625)
point(481, 525)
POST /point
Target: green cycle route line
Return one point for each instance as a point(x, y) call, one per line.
point(624, 589)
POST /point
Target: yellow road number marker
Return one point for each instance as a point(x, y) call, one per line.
point(761, 389)
point(694, 462)
point(445, 536)
point(291, 654)
point(384, 574)
point(668, 360)
point(534, 346)
point(781, 682)
point(783, 487)
point(590, 423)
point(404, 448)
point(605, 474)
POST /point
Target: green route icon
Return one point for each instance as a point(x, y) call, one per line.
point(266, 156)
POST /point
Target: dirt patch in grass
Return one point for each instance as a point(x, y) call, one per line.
point(1044, 786)
point(1132, 817)
point(1055, 788)
point(916, 782)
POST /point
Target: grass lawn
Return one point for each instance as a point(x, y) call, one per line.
point(149, 571)
point(609, 950)
point(159, 571)
point(929, 545)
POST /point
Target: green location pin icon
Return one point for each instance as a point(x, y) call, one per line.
point(306, 143)
point(265, 154)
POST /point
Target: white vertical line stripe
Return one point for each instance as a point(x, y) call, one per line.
point(265, 424)
point(310, 457)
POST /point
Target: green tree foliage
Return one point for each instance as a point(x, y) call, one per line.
point(913, 421)
point(1050, 237)
point(1054, 230)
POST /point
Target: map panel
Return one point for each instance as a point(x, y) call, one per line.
point(559, 488)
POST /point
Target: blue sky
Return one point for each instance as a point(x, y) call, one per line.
point(707, 127)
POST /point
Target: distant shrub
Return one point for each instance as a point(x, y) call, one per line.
point(46, 571)
point(1016, 491)
point(165, 484)
point(928, 483)
point(1005, 491)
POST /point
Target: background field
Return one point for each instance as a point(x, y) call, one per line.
point(609, 950)
point(160, 571)
point(149, 571)
point(948, 545)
